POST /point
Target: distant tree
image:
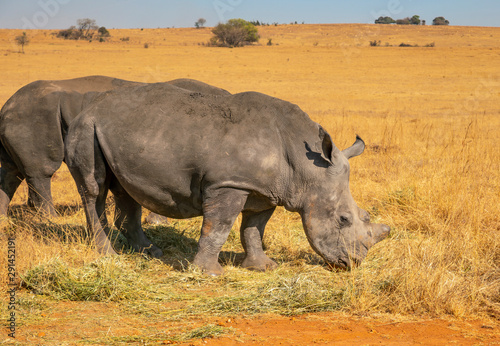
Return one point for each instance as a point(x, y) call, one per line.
point(384, 20)
point(440, 21)
point(415, 20)
point(87, 27)
point(22, 40)
point(200, 23)
point(234, 33)
point(404, 21)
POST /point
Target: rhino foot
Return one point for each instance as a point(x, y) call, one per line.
point(260, 264)
point(151, 250)
point(211, 269)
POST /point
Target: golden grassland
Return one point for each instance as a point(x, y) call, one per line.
point(430, 117)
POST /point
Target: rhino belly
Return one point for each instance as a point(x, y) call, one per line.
point(172, 196)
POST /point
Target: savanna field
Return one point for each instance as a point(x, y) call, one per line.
point(430, 117)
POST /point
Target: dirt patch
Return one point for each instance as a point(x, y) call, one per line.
point(335, 329)
point(111, 323)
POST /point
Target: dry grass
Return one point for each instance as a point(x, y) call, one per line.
point(430, 118)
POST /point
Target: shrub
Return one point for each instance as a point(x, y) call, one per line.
point(103, 32)
point(440, 21)
point(375, 43)
point(384, 20)
point(72, 33)
point(146, 45)
point(234, 33)
point(404, 21)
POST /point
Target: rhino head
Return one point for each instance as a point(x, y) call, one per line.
point(337, 229)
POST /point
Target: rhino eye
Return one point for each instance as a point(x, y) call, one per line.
point(345, 219)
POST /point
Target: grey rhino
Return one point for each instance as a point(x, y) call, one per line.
point(183, 154)
point(33, 124)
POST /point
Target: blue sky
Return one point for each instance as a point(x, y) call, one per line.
point(60, 14)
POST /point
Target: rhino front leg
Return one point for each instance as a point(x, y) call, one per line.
point(251, 234)
point(9, 182)
point(40, 196)
point(10, 179)
point(128, 219)
point(220, 209)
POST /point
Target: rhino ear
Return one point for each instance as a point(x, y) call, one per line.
point(329, 150)
point(356, 149)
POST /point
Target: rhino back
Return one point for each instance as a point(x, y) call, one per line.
point(34, 120)
point(197, 86)
point(167, 145)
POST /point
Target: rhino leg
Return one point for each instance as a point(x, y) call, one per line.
point(251, 233)
point(96, 221)
point(128, 219)
point(101, 240)
point(92, 178)
point(10, 179)
point(220, 209)
point(40, 196)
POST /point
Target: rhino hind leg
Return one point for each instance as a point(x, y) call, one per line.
point(251, 234)
point(128, 219)
point(220, 209)
point(40, 196)
point(92, 178)
point(96, 219)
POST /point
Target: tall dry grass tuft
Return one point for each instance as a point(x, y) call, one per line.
point(439, 189)
point(39, 240)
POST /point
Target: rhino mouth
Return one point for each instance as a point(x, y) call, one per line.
point(342, 264)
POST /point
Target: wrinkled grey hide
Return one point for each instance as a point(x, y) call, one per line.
point(33, 123)
point(183, 154)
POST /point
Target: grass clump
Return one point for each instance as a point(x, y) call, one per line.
point(106, 279)
point(208, 331)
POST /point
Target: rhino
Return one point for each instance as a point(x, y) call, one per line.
point(33, 125)
point(184, 154)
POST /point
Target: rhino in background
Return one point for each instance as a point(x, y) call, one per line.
point(33, 126)
point(183, 154)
